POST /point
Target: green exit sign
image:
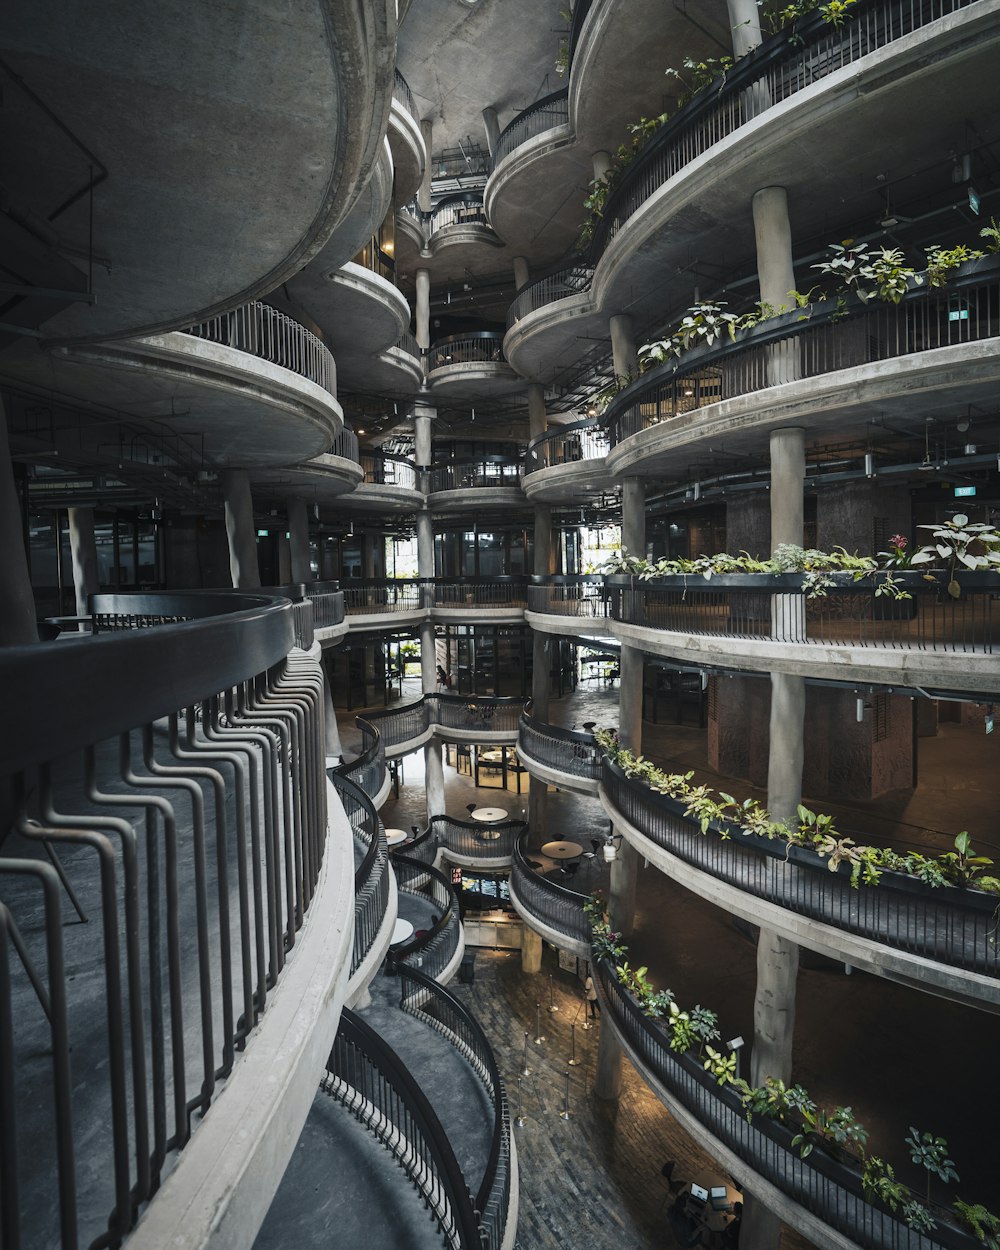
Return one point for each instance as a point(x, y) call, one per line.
point(961, 491)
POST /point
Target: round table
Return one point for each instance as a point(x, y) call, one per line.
point(489, 815)
point(402, 932)
point(707, 1216)
point(562, 850)
point(395, 836)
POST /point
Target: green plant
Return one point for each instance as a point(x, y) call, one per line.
point(918, 1217)
point(698, 74)
point(931, 1153)
point(953, 540)
point(941, 261)
point(840, 1128)
point(985, 1226)
point(878, 1180)
point(776, 15)
point(775, 1100)
point(991, 233)
point(722, 1067)
point(960, 865)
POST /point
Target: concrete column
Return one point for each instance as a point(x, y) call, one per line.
point(537, 417)
point(531, 950)
point(84, 552)
point(788, 475)
point(17, 600)
point(298, 540)
point(334, 750)
point(601, 162)
point(424, 190)
point(522, 275)
point(423, 313)
point(608, 1078)
point(541, 645)
point(623, 350)
point(744, 21)
point(492, 129)
point(434, 780)
point(634, 516)
point(240, 529)
point(775, 273)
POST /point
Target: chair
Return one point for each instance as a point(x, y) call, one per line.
point(470, 808)
point(673, 1187)
point(570, 869)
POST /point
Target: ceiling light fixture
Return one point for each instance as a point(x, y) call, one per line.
point(925, 465)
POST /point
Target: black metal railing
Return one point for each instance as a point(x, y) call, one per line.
point(262, 331)
point(545, 114)
point(403, 96)
point(582, 595)
point(345, 445)
point(180, 796)
point(408, 343)
point(374, 596)
point(474, 347)
point(475, 714)
point(463, 210)
point(371, 876)
point(572, 279)
point(433, 950)
point(755, 606)
point(828, 1188)
point(367, 771)
point(468, 474)
point(554, 905)
point(568, 750)
point(382, 469)
point(367, 1077)
point(423, 847)
point(428, 1001)
point(496, 592)
point(327, 604)
point(952, 926)
point(375, 259)
point(568, 444)
point(792, 347)
point(473, 839)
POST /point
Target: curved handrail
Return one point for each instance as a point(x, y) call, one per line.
point(834, 335)
point(432, 950)
point(371, 876)
point(373, 1083)
point(565, 444)
point(545, 114)
point(474, 840)
point(493, 592)
point(262, 331)
point(829, 1189)
point(346, 446)
point(376, 596)
point(465, 475)
point(568, 750)
point(554, 905)
point(472, 713)
point(948, 925)
point(457, 210)
point(407, 343)
point(385, 469)
point(423, 997)
point(367, 770)
point(571, 279)
point(403, 96)
point(584, 595)
point(476, 347)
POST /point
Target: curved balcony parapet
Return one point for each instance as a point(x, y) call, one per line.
point(500, 593)
point(818, 1195)
point(403, 96)
point(327, 601)
point(437, 951)
point(557, 754)
point(547, 906)
point(377, 597)
point(371, 876)
point(493, 1198)
point(154, 767)
point(473, 348)
point(572, 279)
point(262, 331)
point(472, 474)
point(383, 469)
point(938, 940)
point(459, 210)
point(472, 843)
point(407, 343)
point(345, 445)
point(583, 595)
point(478, 718)
point(368, 771)
point(795, 346)
point(545, 114)
point(568, 444)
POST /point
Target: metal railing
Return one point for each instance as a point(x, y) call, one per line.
point(346, 446)
point(473, 839)
point(475, 347)
point(428, 1001)
point(367, 772)
point(756, 606)
point(383, 469)
point(262, 331)
point(371, 877)
point(498, 592)
point(465, 210)
point(791, 348)
point(403, 96)
point(475, 714)
point(583, 595)
point(374, 596)
point(367, 1077)
point(469, 474)
point(951, 926)
point(554, 905)
point(545, 114)
point(568, 750)
point(327, 604)
point(433, 950)
point(568, 281)
point(568, 444)
point(376, 260)
point(181, 799)
point(408, 343)
point(828, 1188)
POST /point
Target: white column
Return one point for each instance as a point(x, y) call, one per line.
point(423, 313)
point(744, 20)
point(522, 275)
point(492, 130)
point(776, 274)
point(240, 530)
point(623, 350)
point(83, 547)
point(298, 540)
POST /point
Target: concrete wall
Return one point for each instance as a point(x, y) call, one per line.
point(848, 514)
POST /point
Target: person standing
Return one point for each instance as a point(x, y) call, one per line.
point(591, 996)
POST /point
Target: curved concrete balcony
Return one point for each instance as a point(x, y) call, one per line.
point(691, 186)
point(471, 844)
point(367, 771)
point(372, 201)
point(565, 758)
point(478, 601)
point(380, 603)
point(483, 719)
point(757, 623)
point(935, 940)
point(913, 360)
point(390, 485)
point(398, 368)
point(243, 985)
point(409, 152)
point(568, 464)
point(551, 909)
point(329, 617)
point(322, 479)
point(86, 95)
point(427, 900)
point(820, 1196)
point(458, 487)
point(259, 389)
point(470, 366)
point(455, 236)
